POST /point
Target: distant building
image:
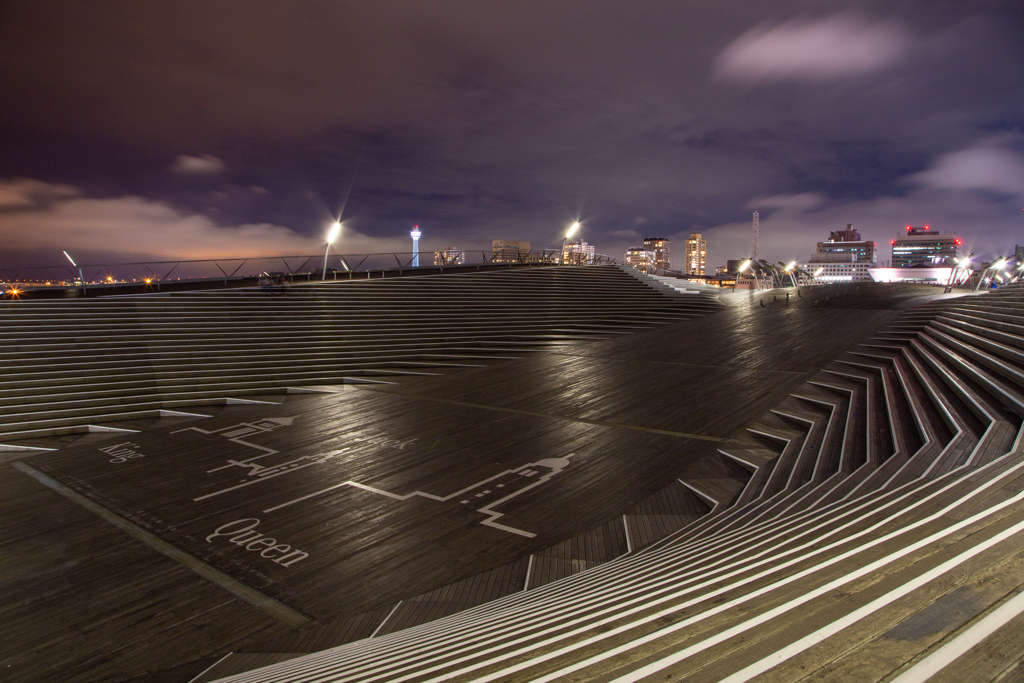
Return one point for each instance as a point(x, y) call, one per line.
point(578, 253)
point(923, 248)
point(721, 270)
point(449, 257)
point(849, 242)
point(508, 251)
point(939, 275)
point(642, 259)
point(838, 267)
point(696, 255)
point(662, 251)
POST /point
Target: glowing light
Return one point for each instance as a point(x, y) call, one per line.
point(790, 266)
point(333, 233)
point(744, 266)
point(573, 228)
point(819, 271)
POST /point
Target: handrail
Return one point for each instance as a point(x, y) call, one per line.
point(217, 269)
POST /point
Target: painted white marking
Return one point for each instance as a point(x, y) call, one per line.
point(209, 668)
point(393, 610)
point(629, 541)
point(812, 639)
point(529, 573)
point(608, 654)
point(836, 626)
point(948, 653)
point(553, 465)
point(615, 600)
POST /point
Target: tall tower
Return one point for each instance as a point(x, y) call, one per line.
point(757, 225)
point(415, 245)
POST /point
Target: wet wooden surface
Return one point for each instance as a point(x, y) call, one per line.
point(85, 602)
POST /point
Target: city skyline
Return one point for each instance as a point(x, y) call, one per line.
point(154, 131)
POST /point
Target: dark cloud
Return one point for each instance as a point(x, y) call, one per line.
point(507, 119)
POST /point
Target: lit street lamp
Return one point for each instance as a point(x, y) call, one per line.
point(573, 228)
point(332, 235)
point(80, 276)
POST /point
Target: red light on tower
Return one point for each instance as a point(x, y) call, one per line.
point(927, 226)
point(892, 242)
point(908, 227)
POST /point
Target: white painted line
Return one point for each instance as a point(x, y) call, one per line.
point(867, 610)
point(101, 428)
point(529, 573)
point(177, 413)
point(13, 447)
point(606, 588)
point(948, 653)
point(271, 606)
point(629, 541)
point(700, 493)
point(393, 610)
point(744, 626)
point(207, 669)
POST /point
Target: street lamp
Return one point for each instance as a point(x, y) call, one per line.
point(80, 276)
point(572, 229)
point(960, 263)
point(995, 265)
point(332, 235)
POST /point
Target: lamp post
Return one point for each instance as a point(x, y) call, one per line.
point(960, 263)
point(743, 266)
point(80, 276)
point(572, 228)
point(995, 265)
point(332, 235)
point(789, 271)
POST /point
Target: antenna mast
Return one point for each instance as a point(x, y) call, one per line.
point(757, 224)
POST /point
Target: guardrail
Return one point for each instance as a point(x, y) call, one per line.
point(296, 268)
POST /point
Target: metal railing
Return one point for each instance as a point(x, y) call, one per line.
point(295, 268)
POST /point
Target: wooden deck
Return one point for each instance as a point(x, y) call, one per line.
point(385, 505)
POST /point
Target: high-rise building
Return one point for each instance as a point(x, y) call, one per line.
point(641, 258)
point(923, 247)
point(508, 251)
point(578, 253)
point(696, 255)
point(661, 248)
point(849, 242)
point(449, 257)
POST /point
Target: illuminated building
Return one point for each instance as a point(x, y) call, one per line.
point(662, 251)
point(508, 251)
point(642, 259)
point(849, 242)
point(449, 257)
point(415, 234)
point(838, 267)
point(924, 248)
point(578, 253)
point(696, 255)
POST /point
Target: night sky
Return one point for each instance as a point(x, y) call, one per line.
point(144, 130)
